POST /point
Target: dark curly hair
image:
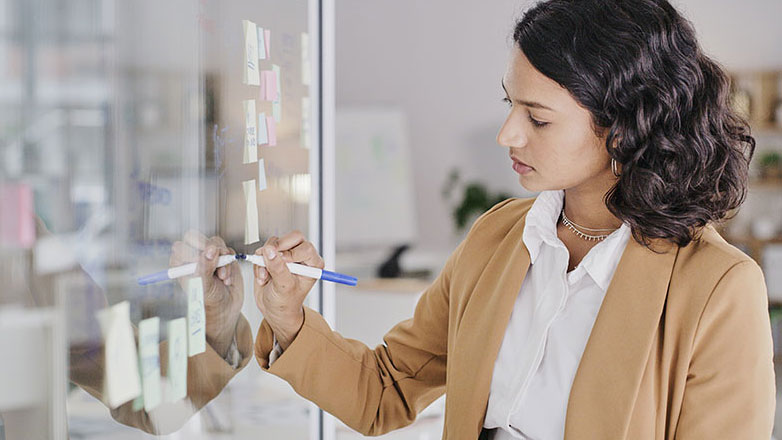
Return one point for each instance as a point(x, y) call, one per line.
point(637, 67)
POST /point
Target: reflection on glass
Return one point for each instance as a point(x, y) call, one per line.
point(123, 148)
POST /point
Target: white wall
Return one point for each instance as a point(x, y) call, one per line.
point(442, 61)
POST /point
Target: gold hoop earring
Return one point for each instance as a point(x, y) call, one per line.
point(613, 167)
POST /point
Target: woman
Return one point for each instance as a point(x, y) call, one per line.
point(607, 307)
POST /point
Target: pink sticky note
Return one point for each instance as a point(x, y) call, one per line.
point(271, 126)
point(17, 221)
point(267, 34)
point(270, 85)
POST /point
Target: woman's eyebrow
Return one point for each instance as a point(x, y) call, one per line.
point(532, 104)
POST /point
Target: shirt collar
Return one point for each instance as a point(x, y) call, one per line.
point(541, 227)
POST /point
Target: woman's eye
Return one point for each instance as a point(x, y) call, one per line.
point(537, 123)
point(507, 101)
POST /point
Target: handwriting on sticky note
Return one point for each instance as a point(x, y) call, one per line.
point(121, 375)
point(149, 352)
point(250, 134)
point(251, 76)
point(196, 317)
point(251, 231)
point(177, 360)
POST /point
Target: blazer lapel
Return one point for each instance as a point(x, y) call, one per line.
point(610, 371)
point(478, 340)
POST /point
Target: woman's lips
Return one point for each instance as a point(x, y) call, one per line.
point(521, 167)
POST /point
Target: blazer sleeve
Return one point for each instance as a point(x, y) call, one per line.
point(730, 388)
point(373, 391)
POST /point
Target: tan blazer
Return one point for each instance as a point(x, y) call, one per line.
point(681, 347)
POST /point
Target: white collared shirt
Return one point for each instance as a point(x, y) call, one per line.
point(549, 326)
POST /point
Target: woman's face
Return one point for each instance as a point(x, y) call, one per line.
point(549, 131)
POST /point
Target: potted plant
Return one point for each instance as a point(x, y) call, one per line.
point(475, 200)
point(770, 165)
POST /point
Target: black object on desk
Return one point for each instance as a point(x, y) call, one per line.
point(391, 267)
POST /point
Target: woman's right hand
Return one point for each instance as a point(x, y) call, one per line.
point(279, 294)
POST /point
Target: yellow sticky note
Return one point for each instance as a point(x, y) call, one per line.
point(250, 132)
point(149, 352)
point(121, 381)
point(196, 317)
point(251, 232)
point(177, 360)
point(251, 76)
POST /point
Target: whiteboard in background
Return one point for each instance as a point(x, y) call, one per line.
point(375, 204)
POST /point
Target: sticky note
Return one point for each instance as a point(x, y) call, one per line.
point(121, 381)
point(251, 76)
point(267, 38)
point(149, 352)
point(196, 317)
point(250, 132)
point(261, 175)
point(177, 360)
point(251, 233)
point(277, 111)
point(263, 134)
point(261, 44)
point(17, 221)
point(269, 85)
point(306, 66)
point(271, 127)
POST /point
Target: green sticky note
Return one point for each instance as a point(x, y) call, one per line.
point(149, 354)
point(177, 359)
point(196, 316)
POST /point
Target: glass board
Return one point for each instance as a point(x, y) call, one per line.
point(131, 133)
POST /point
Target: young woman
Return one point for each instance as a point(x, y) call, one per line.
point(607, 307)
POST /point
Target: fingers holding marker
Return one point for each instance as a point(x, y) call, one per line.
point(281, 278)
point(261, 275)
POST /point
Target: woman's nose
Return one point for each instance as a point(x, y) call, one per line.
point(511, 135)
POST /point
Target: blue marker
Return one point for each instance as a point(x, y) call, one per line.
point(298, 269)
